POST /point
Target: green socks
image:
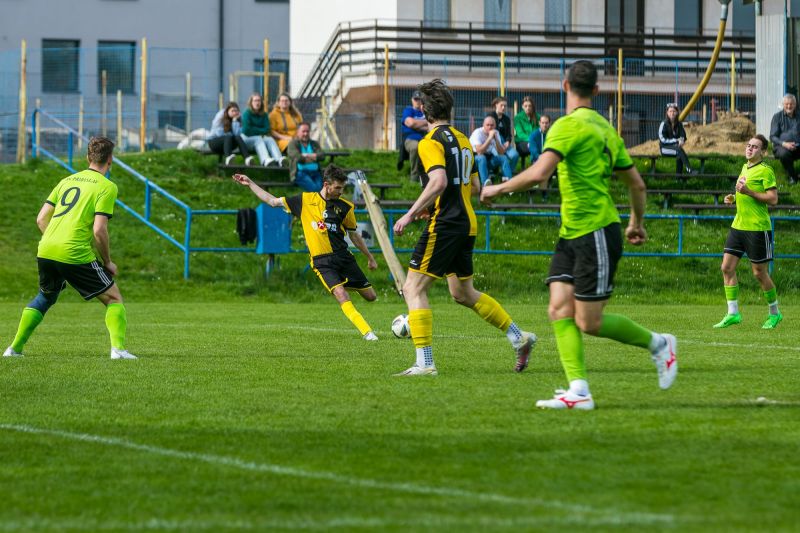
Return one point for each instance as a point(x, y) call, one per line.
point(117, 323)
point(570, 348)
point(623, 329)
point(771, 296)
point(27, 323)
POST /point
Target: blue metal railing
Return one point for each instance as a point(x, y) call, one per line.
point(185, 246)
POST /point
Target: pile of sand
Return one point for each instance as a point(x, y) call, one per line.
point(727, 135)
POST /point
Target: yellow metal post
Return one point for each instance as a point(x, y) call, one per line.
point(619, 91)
point(104, 104)
point(119, 119)
point(733, 83)
point(322, 139)
point(704, 114)
point(23, 102)
point(221, 101)
point(385, 96)
point(265, 91)
point(143, 99)
point(231, 88)
point(502, 72)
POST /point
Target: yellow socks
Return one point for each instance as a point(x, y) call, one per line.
point(355, 317)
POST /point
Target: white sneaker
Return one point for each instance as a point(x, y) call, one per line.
point(565, 399)
point(487, 183)
point(524, 350)
point(121, 354)
point(269, 162)
point(229, 159)
point(370, 336)
point(419, 371)
point(249, 161)
point(666, 361)
point(11, 353)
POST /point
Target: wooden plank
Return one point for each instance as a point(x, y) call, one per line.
point(382, 233)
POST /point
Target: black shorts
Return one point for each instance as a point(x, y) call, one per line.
point(589, 263)
point(339, 269)
point(443, 254)
point(89, 279)
point(756, 244)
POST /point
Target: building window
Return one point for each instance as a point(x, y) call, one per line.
point(118, 59)
point(744, 19)
point(558, 15)
point(688, 17)
point(168, 117)
point(278, 78)
point(437, 13)
point(497, 14)
point(60, 66)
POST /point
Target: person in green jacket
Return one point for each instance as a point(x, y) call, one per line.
point(524, 123)
point(255, 132)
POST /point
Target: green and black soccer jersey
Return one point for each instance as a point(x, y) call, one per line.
point(590, 150)
point(324, 222)
point(751, 214)
point(77, 199)
point(447, 148)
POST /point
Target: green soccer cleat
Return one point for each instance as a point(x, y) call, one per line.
point(729, 320)
point(772, 321)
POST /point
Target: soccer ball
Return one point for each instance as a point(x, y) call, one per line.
point(400, 327)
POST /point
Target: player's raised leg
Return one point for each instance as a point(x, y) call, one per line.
point(463, 292)
point(352, 314)
point(420, 321)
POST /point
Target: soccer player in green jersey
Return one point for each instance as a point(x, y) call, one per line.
point(751, 233)
point(74, 224)
point(445, 247)
point(587, 150)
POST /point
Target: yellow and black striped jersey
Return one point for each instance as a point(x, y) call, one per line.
point(325, 222)
point(447, 148)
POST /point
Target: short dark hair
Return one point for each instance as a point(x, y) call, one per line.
point(764, 141)
point(333, 173)
point(582, 78)
point(545, 115)
point(100, 150)
point(498, 100)
point(437, 101)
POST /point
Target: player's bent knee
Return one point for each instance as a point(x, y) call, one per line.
point(369, 295)
point(43, 302)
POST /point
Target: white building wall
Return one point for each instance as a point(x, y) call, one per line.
point(770, 60)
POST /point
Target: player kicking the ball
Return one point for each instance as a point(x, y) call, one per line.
point(751, 233)
point(74, 223)
point(587, 151)
point(445, 247)
point(325, 217)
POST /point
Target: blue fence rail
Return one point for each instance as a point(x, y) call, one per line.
point(185, 246)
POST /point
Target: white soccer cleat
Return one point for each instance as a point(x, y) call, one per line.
point(229, 159)
point(11, 353)
point(121, 354)
point(565, 399)
point(665, 359)
point(370, 336)
point(419, 371)
point(523, 351)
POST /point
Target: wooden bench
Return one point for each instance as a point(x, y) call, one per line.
point(669, 193)
point(654, 158)
point(730, 207)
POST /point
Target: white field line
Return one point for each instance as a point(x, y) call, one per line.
point(617, 516)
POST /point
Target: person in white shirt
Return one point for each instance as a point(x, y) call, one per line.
point(489, 151)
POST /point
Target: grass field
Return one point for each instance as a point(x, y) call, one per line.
point(261, 416)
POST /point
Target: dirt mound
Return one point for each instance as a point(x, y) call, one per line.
point(725, 136)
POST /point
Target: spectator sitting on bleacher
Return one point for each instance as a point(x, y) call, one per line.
point(284, 119)
point(414, 128)
point(671, 138)
point(489, 151)
point(255, 132)
point(304, 156)
point(226, 134)
point(537, 138)
point(506, 129)
point(524, 123)
point(785, 136)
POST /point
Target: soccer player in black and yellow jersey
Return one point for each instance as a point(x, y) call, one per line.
point(325, 218)
point(445, 247)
